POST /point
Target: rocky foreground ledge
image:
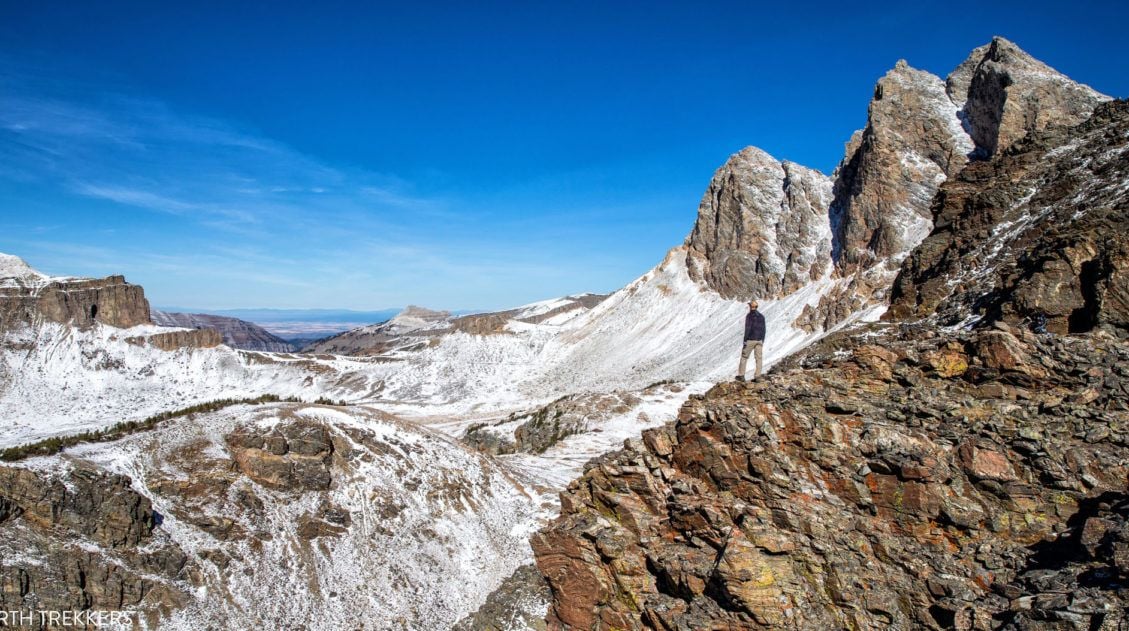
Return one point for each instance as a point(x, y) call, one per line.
point(898, 478)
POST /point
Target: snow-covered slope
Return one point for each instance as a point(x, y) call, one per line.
point(57, 379)
point(663, 326)
point(391, 526)
point(14, 269)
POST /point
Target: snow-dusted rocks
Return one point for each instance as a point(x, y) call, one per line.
point(1006, 93)
point(283, 516)
point(913, 140)
point(762, 227)
point(1033, 236)
point(15, 270)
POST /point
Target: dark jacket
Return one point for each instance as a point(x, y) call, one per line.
point(754, 326)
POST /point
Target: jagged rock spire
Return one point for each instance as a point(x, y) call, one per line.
point(913, 140)
point(1006, 93)
point(767, 228)
point(762, 227)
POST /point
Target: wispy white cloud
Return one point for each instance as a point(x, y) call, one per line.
point(143, 154)
point(208, 213)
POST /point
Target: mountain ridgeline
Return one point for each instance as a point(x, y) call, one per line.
point(766, 228)
point(960, 464)
point(236, 333)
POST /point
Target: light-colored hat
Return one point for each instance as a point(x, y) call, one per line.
point(754, 304)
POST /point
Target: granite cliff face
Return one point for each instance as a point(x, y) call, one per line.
point(905, 474)
point(236, 333)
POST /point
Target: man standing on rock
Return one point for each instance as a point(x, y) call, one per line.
point(754, 340)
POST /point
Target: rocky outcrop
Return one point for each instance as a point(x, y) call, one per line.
point(912, 142)
point(236, 333)
point(762, 228)
point(98, 506)
point(1033, 236)
point(79, 301)
point(1005, 94)
point(518, 604)
point(174, 340)
point(293, 456)
point(903, 479)
point(481, 324)
point(51, 530)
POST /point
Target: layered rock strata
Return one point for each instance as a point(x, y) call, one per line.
point(79, 301)
point(236, 333)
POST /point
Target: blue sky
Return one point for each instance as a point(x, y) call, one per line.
point(461, 155)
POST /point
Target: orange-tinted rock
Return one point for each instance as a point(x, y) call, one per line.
point(763, 508)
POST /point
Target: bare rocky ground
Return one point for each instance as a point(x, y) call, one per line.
point(893, 478)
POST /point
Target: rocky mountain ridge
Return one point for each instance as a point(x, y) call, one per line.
point(908, 474)
point(236, 333)
point(921, 130)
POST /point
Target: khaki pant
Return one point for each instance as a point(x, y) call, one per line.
point(755, 347)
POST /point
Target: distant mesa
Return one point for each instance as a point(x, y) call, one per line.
point(29, 298)
point(417, 327)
